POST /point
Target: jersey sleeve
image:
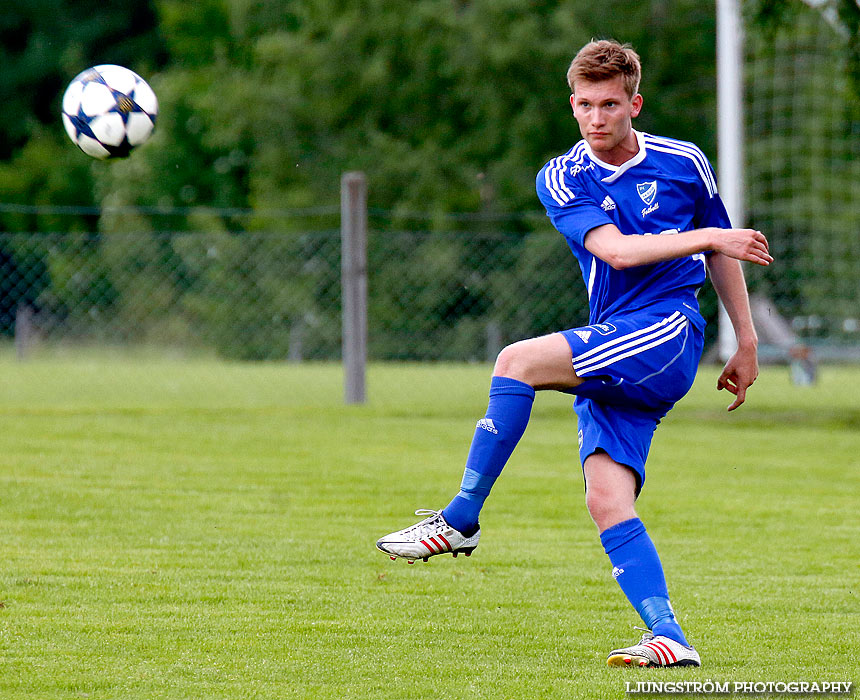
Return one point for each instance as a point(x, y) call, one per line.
point(710, 210)
point(571, 209)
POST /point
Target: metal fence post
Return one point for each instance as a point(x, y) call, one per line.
point(353, 226)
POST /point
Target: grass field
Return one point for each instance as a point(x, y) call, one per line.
point(206, 530)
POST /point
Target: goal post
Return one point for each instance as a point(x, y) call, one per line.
point(730, 140)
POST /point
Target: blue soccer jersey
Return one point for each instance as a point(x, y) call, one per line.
point(667, 187)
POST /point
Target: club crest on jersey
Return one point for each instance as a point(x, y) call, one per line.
point(648, 194)
point(647, 191)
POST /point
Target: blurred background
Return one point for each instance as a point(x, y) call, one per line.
point(221, 236)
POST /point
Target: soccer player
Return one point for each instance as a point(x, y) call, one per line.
point(642, 216)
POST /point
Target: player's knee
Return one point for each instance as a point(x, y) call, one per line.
point(606, 507)
point(512, 362)
point(597, 503)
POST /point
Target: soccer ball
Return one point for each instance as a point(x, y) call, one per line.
point(109, 110)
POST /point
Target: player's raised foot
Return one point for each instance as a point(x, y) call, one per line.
point(655, 651)
point(427, 538)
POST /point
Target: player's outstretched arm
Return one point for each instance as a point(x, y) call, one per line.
point(610, 245)
point(742, 368)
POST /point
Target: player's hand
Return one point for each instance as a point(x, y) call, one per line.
point(738, 375)
point(743, 244)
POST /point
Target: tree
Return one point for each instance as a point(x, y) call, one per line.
point(448, 107)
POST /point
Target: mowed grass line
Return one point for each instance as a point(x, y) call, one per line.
point(205, 530)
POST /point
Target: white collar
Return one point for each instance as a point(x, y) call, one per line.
point(618, 170)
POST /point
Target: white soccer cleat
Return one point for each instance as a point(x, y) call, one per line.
point(430, 537)
point(655, 651)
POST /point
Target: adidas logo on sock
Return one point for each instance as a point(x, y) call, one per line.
point(487, 424)
point(616, 572)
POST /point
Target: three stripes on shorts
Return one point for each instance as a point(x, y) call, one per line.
point(630, 344)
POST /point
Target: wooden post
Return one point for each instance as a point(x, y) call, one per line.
point(25, 331)
point(353, 228)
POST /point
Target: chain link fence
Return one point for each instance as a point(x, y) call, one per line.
point(464, 294)
point(251, 285)
point(273, 292)
point(803, 176)
point(242, 294)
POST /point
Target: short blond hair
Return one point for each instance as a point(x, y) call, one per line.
point(603, 60)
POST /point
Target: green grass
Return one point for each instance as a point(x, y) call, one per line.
point(205, 530)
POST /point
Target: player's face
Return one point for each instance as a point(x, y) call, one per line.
point(605, 113)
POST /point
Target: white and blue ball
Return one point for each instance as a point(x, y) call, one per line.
point(108, 111)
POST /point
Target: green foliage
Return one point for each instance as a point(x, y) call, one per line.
point(447, 106)
point(773, 16)
point(45, 43)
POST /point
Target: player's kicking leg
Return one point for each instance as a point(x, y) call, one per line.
point(538, 363)
point(456, 528)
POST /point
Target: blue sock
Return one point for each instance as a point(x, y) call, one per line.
point(496, 436)
point(638, 571)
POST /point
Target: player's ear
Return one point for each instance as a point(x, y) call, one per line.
point(637, 105)
point(573, 103)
